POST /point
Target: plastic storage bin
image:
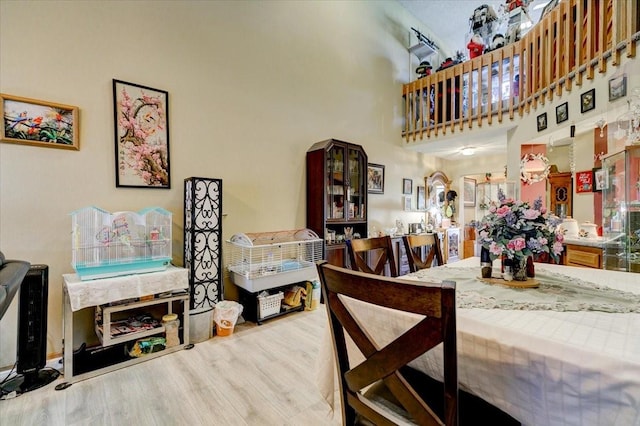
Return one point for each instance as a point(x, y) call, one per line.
point(269, 305)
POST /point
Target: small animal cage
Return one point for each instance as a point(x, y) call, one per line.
point(260, 261)
point(110, 244)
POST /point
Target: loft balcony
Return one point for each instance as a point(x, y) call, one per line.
point(577, 40)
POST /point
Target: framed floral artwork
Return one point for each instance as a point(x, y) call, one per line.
point(38, 123)
point(141, 119)
point(588, 101)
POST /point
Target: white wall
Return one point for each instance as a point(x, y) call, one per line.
point(252, 85)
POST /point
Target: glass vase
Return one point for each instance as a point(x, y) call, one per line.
point(520, 268)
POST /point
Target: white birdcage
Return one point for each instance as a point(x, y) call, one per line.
point(264, 260)
point(110, 244)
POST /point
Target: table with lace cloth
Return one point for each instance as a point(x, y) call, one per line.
point(566, 353)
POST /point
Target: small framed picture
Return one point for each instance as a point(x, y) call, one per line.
point(542, 121)
point(617, 87)
point(599, 179)
point(407, 203)
point(469, 192)
point(562, 113)
point(375, 178)
point(588, 101)
point(584, 181)
point(407, 186)
point(421, 198)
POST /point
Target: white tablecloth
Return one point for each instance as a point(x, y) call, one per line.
point(83, 294)
point(542, 367)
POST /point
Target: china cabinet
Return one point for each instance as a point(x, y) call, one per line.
point(336, 195)
point(621, 210)
point(560, 194)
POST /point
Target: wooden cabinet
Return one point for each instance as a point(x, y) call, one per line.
point(336, 194)
point(585, 256)
point(561, 194)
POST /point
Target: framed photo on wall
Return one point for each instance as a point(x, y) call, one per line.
point(469, 192)
point(588, 100)
point(562, 113)
point(407, 186)
point(407, 203)
point(375, 178)
point(617, 87)
point(38, 123)
point(599, 179)
point(542, 121)
point(421, 198)
point(141, 120)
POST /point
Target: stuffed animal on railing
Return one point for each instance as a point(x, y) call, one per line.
point(424, 69)
point(475, 46)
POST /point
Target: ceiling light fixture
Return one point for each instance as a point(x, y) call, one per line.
point(468, 151)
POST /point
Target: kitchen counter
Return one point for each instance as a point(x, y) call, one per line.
point(589, 242)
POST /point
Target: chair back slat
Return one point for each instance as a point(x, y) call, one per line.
point(383, 367)
point(416, 245)
point(372, 255)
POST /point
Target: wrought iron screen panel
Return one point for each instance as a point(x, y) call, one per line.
point(202, 240)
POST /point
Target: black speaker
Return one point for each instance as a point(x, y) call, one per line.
point(32, 320)
point(32, 335)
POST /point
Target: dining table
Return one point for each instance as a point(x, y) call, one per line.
point(566, 352)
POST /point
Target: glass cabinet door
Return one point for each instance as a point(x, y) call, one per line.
point(356, 185)
point(621, 210)
point(335, 182)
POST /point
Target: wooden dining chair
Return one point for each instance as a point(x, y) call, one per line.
point(416, 245)
point(384, 367)
point(371, 255)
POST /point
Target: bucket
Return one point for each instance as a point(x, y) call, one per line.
point(224, 328)
point(225, 315)
point(200, 321)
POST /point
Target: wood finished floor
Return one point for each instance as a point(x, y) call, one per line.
point(260, 375)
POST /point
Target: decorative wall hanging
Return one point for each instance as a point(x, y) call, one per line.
point(562, 113)
point(422, 204)
point(599, 179)
point(407, 186)
point(141, 119)
point(534, 168)
point(542, 121)
point(588, 101)
point(469, 191)
point(375, 178)
point(39, 123)
point(584, 181)
point(617, 87)
point(407, 203)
